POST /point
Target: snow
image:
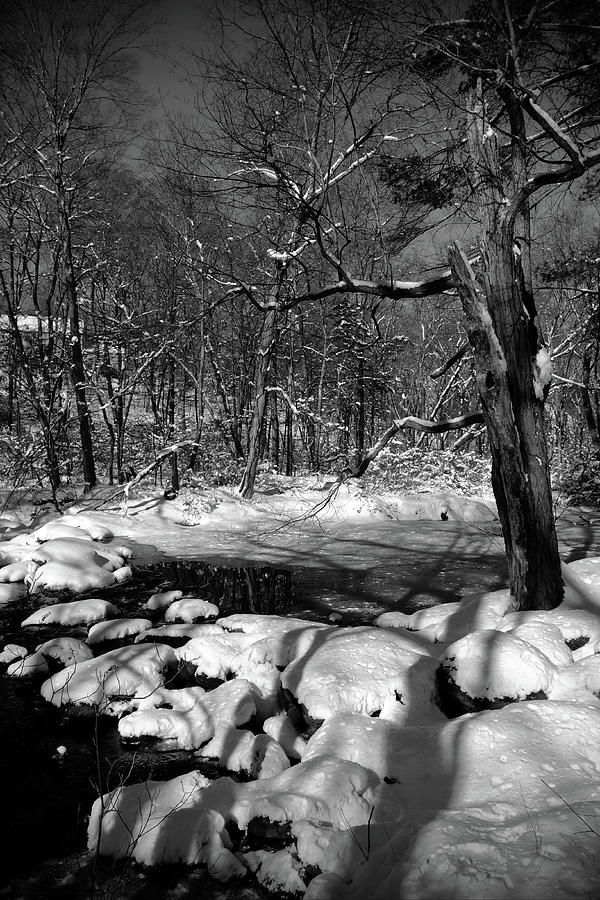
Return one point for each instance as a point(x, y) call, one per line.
point(116, 629)
point(494, 665)
point(354, 670)
point(190, 610)
point(65, 650)
point(542, 372)
point(11, 592)
point(352, 763)
point(12, 652)
point(34, 664)
point(162, 599)
point(256, 755)
point(75, 612)
point(232, 703)
point(71, 563)
point(133, 672)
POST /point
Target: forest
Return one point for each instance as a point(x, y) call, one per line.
point(300, 448)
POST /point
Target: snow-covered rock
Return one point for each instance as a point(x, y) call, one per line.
point(129, 672)
point(75, 612)
point(176, 632)
point(212, 649)
point(353, 670)
point(11, 592)
point(162, 599)
point(190, 610)
point(88, 523)
point(58, 530)
point(32, 666)
point(65, 650)
point(489, 668)
point(282, 729)
point(14, 572)
point(232, 703)
point(12, 652)
point(163, 822)
point(116, 629)
point(256, 755)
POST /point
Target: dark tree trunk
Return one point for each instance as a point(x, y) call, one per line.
point(77, 366)
point(263, 363)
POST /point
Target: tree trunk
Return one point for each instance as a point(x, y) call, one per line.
point(515, 425)
point(502, 326)
point(77, 365)
point(265, 350)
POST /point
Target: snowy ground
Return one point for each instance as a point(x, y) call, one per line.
point(355, 782)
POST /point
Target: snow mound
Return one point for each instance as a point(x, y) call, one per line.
point(76, 565)
point(282, 729)
point(190, 610)
point(14, 572)
point(76, 612)
point(352, 670)
point(88, 523)
point(56, 530)
point(12, 652)
point(255, 755)
point(493, 757)
point(65, 650)
point(263, 625)
point(232, 703)
point(131, 672)
point(468, 856)
point(279, 871)
point(162, 599)
point(147, 821)
point(162, 822)
point(495, 665)
point(31, 666)
point(176, 631)
point(212, 650)
point(116, 629)
point(11, 592)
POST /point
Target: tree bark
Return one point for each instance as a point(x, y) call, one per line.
point(265, 351)
point(515, 425)
point(77, 365)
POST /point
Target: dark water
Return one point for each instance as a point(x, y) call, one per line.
point(46, 798)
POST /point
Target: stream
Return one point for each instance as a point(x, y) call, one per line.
point(356, 574)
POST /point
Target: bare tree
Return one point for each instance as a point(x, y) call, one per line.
point(63, 70)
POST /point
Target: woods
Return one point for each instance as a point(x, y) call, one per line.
point(369, 217)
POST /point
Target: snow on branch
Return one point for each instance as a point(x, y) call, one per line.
point(393, 289)
point(428, 425)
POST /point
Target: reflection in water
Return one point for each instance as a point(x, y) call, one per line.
point(256, 589)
